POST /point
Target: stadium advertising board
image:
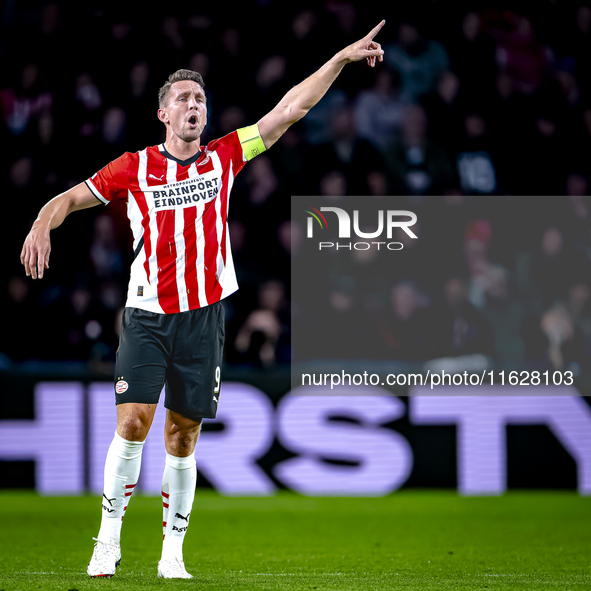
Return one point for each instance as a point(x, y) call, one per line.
point(346, 441)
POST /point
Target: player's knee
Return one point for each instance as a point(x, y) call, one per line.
point(181, 435)
point(134, 427)
point(188, 431)
point(184, 441)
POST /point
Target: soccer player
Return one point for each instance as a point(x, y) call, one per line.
point(173, 324)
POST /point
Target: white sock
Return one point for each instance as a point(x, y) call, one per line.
point(122, 469)
point(178, 491)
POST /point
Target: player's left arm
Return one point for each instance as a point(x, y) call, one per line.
point(301, 98)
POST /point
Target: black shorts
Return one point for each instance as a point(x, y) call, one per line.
point(182, 351)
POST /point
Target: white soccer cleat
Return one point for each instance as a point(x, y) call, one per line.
point(173, 568)
point(105, 559)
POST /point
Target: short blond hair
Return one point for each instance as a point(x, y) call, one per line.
point(178, 76)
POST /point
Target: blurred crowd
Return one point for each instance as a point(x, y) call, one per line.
point(475, 106)
point(503, 283)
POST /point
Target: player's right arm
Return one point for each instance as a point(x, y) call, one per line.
point(301, 98)
point(37, 246)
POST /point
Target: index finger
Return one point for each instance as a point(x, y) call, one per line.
point(41, 265)
point(25, 260)
point(375, 30)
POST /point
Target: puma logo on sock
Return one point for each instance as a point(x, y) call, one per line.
point(181, 517)
point(109, 500)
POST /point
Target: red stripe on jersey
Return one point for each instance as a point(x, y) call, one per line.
point(182, 172)
point(165, 495)
point(213, 289)
point(224, 211)
point(130, 486)
point(190, 234)
point(165, 505)
point(166, 256)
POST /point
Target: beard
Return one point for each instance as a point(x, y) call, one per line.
point(191, 134)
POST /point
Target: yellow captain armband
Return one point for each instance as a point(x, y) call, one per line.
point(251, 141)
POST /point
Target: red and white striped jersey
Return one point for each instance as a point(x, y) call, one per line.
point(178, 215)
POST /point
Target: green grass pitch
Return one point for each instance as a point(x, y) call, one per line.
point(419, 540)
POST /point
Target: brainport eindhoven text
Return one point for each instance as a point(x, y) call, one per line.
point(391, 220)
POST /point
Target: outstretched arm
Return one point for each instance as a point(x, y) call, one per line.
point(301, 98)
point(37, 246)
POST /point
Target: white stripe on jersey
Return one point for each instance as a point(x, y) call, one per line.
point(200, 246)
point(228, 270)
point(138, 276)
point(228, 280)
point(219, 227)
point(143, 184)
point(135, 221)
point(200, 255)
point(179, 241)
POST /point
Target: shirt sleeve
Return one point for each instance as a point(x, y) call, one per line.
point(240, 146)
point(112, 181)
